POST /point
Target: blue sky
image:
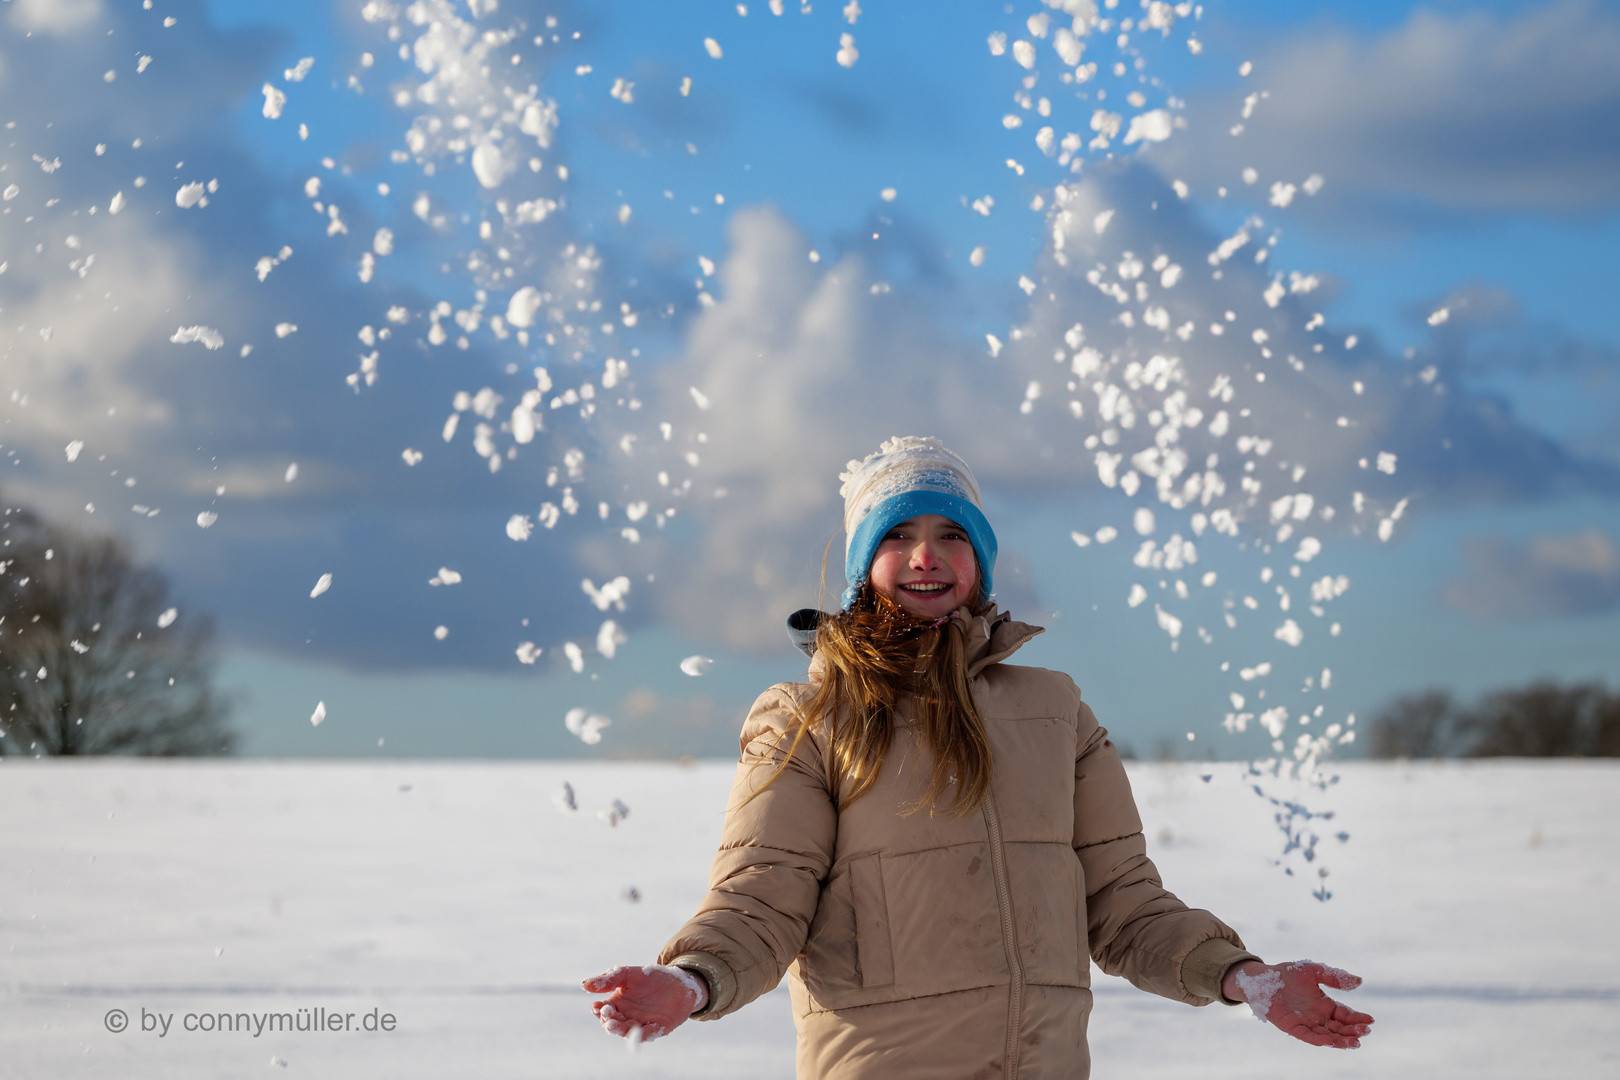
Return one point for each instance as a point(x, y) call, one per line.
point(1469, 165)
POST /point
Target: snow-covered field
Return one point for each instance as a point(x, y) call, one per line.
point(1477, 900)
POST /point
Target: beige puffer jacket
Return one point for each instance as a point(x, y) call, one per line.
point(936, 947)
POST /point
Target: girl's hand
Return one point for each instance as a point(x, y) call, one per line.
point(645, 1003)
point(1290, 997)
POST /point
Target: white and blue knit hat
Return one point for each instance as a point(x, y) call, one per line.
point(908, 476)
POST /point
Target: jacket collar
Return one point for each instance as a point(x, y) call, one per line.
point(991, 638)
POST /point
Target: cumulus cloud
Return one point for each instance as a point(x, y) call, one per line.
point(1547, 578)
point(1466, 110)
point(804, 368)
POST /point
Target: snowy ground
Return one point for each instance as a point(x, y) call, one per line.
point(459, 899)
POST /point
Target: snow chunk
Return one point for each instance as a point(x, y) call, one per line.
point(585, 724)
point(117, 203)
point(713, 47)
point(1143, 521)
point(322, 583)
point(206, 518)
point(1137, 596)
point(847, 53)
point(297, 72)
point(190, 195)
point(1386, 462)
point(609, 637)
point(166, 619)
point(1289, 633)
point(285, 328)
point(528, 652)
point(1153, 126)
point(518, 527)
point(72, 449)
point(1260, 989)
point(696, 665)
point(521, 308)
point(207, 336)
point(610, 595)
point(490, 165)
point(318, 715)
point(1167, 622)
point(445, 576)
point(274, 101)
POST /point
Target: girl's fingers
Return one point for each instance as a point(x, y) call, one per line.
point(601, 984)
point(1331, 976)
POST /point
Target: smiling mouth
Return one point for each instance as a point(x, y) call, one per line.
point(926, 588)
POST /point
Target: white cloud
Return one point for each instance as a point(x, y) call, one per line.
point(1464, 110)
point(62, 17)
point(1551, 576)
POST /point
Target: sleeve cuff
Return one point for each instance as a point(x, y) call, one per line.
point(1205, 967)
point(721, 980)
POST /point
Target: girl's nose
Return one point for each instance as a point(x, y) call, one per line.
point(923, 558)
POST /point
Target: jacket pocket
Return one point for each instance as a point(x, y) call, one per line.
point(874, 953)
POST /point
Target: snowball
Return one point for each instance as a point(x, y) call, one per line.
point(322, 583)
point(117, 203)
point(1137, 596)
point(72, 449)
point(190, 195)
point(1143, 521)
point(528, 652)
point(206, 518)
point(713, 47)
point(166, 619)
point(445, 576)
point(518, 527)
point(441, 632)
point(291, 474)
point(847, 53)
point(1289, 633)
point(285, 328)
point(696, 665)
point(318, 715)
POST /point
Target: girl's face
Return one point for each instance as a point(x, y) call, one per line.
point(927, 566)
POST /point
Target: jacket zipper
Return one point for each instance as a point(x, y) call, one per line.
point(1015, 996)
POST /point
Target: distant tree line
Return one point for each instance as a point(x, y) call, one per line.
point(1545, 719)
point(94, 658)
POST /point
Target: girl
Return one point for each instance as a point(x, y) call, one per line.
point(932, 843)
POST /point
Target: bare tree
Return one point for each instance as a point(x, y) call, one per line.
point(1426, 725)
point(1547, 720)
point(1540, 720)
point(93, 657)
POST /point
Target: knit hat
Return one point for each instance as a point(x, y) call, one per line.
point(908, 476)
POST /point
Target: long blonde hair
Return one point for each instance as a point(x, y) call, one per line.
point(876, 656)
